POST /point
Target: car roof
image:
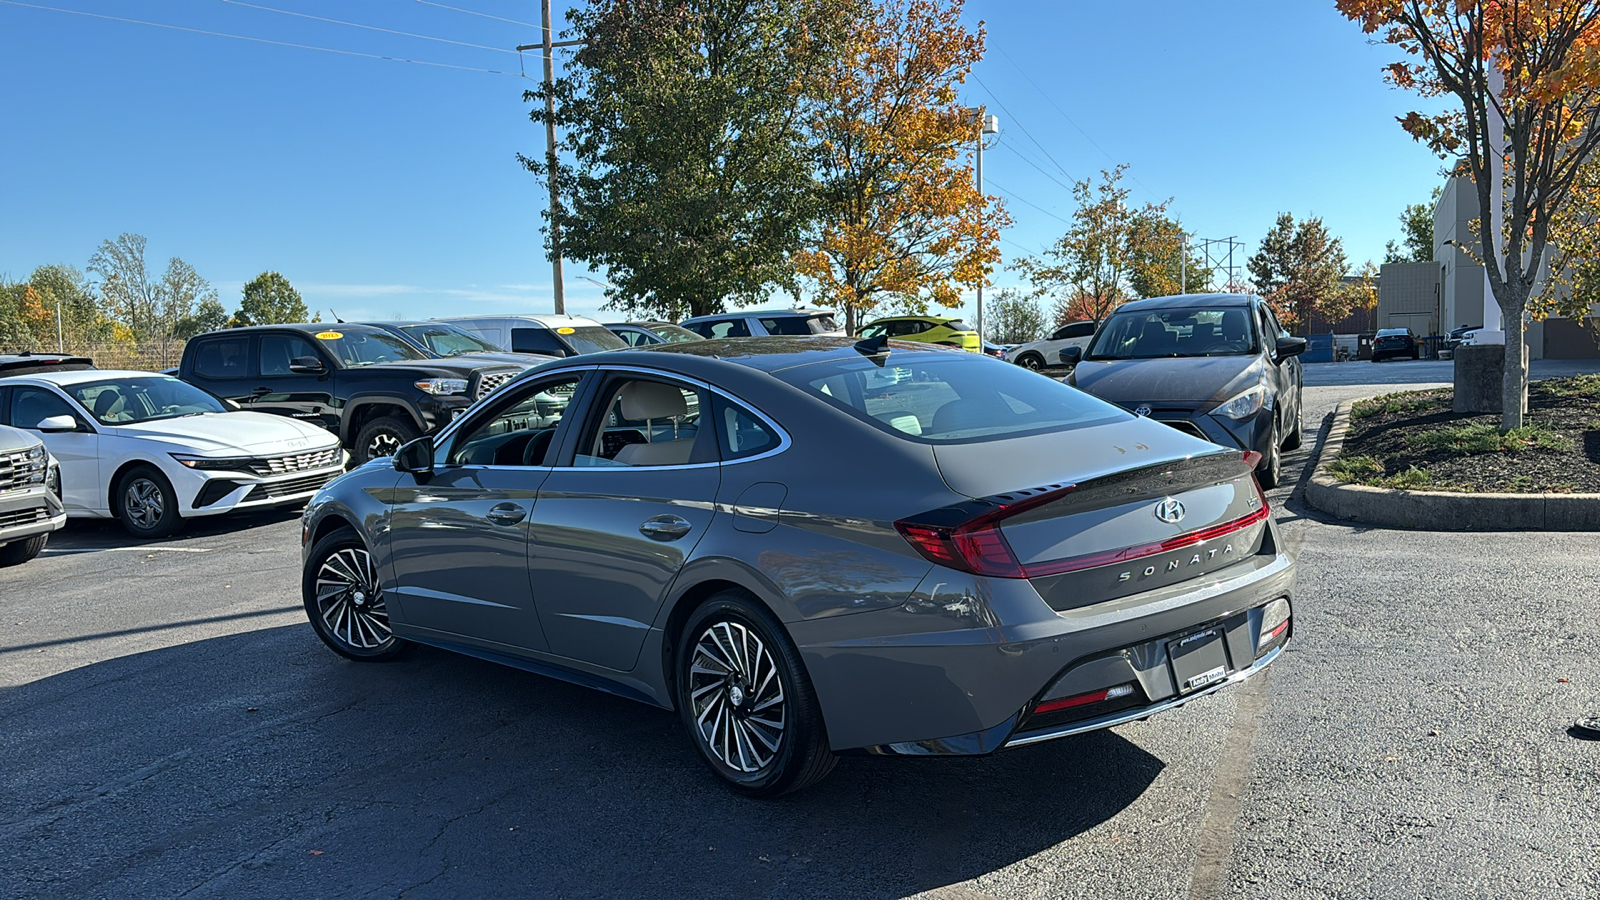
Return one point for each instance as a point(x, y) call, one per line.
point(939, 319)
point(80, 376)
point(28, 363)
point(541, 320)
point(746, 313)
point(1188, 301)
point(768, 354)
point(303, 327)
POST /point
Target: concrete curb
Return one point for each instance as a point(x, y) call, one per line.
point(1441, 510)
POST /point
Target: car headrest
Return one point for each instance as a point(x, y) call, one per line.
point(108, 400)
point(651, 400)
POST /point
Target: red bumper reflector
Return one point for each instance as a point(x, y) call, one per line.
point(1070, 702)
point(1275, 633)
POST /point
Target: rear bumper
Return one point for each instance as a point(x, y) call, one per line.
point(919, 686)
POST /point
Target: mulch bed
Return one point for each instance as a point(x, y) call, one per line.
point(1563, 455)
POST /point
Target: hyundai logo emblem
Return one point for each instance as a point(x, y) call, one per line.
point(1141, 410)
point(1170, 511)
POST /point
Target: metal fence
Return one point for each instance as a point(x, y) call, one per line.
point(152, 356)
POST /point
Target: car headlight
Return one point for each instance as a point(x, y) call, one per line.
point(443, 386)
point(212, 463)
point(1244, 405)
point(34, 465)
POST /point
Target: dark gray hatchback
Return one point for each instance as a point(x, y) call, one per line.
point(808, 546)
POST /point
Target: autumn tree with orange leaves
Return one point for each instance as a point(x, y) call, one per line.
point(1548, 54)
point(902, 222)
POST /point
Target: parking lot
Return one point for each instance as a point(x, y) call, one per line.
point(172, 727)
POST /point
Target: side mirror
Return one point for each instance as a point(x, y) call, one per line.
point(415, 456)
point(1289, 346)
point(1071, 355)
point(307, 365)
point(58, 425)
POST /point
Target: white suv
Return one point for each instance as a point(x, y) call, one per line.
point(765, 322)
point(551, 335)
point(1046, 353)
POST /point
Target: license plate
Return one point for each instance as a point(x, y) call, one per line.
point(1198, 660)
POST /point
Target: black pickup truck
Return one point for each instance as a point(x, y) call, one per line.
point(362, 383)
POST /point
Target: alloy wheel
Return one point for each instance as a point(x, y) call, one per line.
point(143, 503)
point(350, 601)
point(1032, 362)
point(736, 695)
point(382, 444)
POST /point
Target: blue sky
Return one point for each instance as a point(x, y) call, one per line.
point(382, 188)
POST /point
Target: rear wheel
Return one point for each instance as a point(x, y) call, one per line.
point(344, 599)
point(382, 437)
point(745, 699)
point(146, 503)
point(20, 551)
point(1031, 361)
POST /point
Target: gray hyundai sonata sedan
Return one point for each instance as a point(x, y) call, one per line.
point(808, 546)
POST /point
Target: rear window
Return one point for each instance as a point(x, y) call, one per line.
point(955, 398)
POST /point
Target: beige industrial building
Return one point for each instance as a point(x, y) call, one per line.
point(1431, 298)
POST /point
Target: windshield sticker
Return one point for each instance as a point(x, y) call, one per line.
point(565, 330)
point(329, 335)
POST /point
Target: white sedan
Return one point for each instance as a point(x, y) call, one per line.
point(152, 451)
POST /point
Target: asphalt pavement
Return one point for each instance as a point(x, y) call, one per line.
point(171, 727)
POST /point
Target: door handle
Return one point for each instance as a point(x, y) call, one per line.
point(506, 514)
point(665, 528)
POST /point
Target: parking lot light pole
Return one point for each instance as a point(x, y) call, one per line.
point(986, 125)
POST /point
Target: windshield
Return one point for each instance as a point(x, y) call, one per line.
point(591, 339)
point(672, 334)
point(957, 398)
point(126, 401)
point(819, 323)
point(448, 340)
point(1200, 331)
point(360, 345)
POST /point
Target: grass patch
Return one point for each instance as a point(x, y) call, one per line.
point(1406, 402)
point(1355, 469)
point(1409, 480)
point(1576, 386)
point(1483, 437)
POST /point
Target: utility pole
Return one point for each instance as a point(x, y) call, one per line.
point(548, 46)
point(986, 125)
point(1183, 263)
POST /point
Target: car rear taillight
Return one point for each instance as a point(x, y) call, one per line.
point(1110, 693)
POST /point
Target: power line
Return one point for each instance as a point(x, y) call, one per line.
point(473, 12)
point(1019, 124)
point(1070, 121)
point(241, 37)
point(1034, 205)
point(424, 37)
point(1030, 162)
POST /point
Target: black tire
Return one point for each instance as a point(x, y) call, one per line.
point(344, 600)
point(732, 682)
point(1416, 355)
point(1296, 434)
point(1270, 469)
point(146, 504)
point(1031, 361)
point(382, 437)
point(21, 550)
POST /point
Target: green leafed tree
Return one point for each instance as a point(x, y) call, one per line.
point(687, 169)
point(1416, 234)
point(1157, 247)
point(269, 299)
point(1013, 317)
point(1298, 269)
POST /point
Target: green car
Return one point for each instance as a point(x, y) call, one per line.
point(928, 330)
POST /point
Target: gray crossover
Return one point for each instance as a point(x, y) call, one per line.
point(808, 546)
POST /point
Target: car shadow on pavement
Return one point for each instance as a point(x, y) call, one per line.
point(86, 535)
point(260, 764)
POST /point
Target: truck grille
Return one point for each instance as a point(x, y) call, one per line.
point(14, 470)
point(294, 462)
point(23, 517)
point(289, 487)
point(491, 380)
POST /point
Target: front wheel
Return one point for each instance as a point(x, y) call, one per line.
point(745, 699)
point(1270, 469)
point(344, 600)
point(21, 550)
point(1031, 361)
point(382, 437)
point(146, 503)
point(1296, 433)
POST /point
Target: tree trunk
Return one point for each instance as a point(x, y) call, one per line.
point(1514, 382)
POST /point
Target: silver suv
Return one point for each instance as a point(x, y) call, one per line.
point(30, 496)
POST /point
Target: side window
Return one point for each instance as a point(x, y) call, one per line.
point(32, 405)
point(1080, 329)
point(740, 433)
point(536, 340)
point(726, 328)
point(278, 350)
point(521, 431)
point(223, 358)
point(647, 423)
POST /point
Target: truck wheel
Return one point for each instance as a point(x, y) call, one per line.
point(20, 551)
point(382, 437)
